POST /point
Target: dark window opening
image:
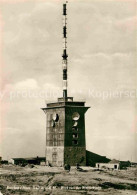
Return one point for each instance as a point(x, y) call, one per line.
point(75, 124)
point(75, 135)
point(75, 142)
point(54, 143)
point(74, 128)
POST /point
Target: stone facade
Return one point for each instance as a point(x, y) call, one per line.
point(65, 133)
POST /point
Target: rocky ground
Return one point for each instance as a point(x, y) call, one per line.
point(55, 181)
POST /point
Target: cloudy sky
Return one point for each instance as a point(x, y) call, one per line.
point(102, 71)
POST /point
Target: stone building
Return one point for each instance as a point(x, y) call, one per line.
point(65, 132)
point(32, 160)
point(113, 164)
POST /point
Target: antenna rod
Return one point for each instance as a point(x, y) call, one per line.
point(64, 56)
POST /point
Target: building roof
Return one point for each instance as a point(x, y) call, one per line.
point(114, 161)
point(93, 158)
point(31, 158)
point(18, 158)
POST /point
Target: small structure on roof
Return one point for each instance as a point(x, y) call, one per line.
point(113, 164)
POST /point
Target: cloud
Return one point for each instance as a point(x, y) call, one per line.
point(129, 24)
point(31, 84)
point(27, 84)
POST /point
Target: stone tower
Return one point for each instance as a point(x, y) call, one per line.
point(65, 122)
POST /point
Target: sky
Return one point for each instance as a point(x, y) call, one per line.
point(101, 71)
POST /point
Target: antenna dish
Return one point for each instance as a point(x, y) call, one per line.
point(75, 116)
point(55, 117)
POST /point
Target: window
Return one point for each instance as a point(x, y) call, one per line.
point(75, 135)
point(61, 130)
point(61, 136)
point(49, 137)
point(60, 143)
point(54, 157)
point(75, 142)
point(49, 143)
point(75, 124)
point(74, 128)
point(55, 137)
point(54, 143)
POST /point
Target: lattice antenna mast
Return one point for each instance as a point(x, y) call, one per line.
point(64, 56)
